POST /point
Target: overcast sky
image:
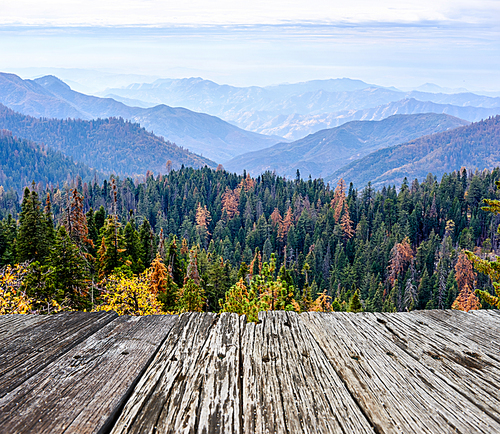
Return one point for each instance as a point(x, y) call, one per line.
point(389, 42)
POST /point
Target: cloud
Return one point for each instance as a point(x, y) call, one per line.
point(224, 12)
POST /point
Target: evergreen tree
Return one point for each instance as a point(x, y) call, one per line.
point(355, 304)
point(111, 254)
point(192, 297)
point(70, 271)
point(32, 243)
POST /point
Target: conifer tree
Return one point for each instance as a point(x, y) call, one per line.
point(490, 268)
point(70, 271)
point(465, 276)
point(239, 300)
point(32, 243)
point(192, 297)
point(162, 284)
point(355, 304)
point(111, 254)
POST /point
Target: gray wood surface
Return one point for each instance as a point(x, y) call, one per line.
point(396, 391)
point(32, 348)
point(289, 386)
point(419, 372)
point(458, 361)
point(192, 385)
point(472, 326)
point(12, 324)
point(82, 390)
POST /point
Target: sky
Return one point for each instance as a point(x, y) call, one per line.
point(387, 42)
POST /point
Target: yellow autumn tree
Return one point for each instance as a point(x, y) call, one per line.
point(13, 298)
point(129, 295)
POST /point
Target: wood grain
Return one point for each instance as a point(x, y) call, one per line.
point(37, 346)
point(396, 391)
point(192, 385)
point(12, 324)
point(82, 390)
point(289, 386)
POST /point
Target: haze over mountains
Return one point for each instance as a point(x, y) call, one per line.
point(201, 133)
point(115, 136)
point(295, 110)
point(321, 153)
point(476, 146)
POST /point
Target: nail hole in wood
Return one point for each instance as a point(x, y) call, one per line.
point(125, 352)
point(265, 359)
point(221, 356)
point(173, 359)
point(381, 321)
point(390, 354)
point(434, 356)
point(355, 357)
point(77, 357)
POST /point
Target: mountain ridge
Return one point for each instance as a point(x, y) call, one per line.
point(317, 153)
point(111, 145)
point(52, 98)
point(474, 146)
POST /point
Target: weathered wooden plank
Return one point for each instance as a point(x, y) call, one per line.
point(33, 348)
point(288, 384)
point(82, 390)
point(467, 326)
point(396, 392)
point(193, 383)
point(12, 324)
point(459, 362)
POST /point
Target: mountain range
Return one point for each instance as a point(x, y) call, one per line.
point(201, 133)
point(126, 137)
point(321, 153)
point(110, 145)
point(295, 110)
point(476, 146)
point(296, 126)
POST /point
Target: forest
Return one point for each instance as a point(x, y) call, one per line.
point(209, 240)
point(22, 161)
point(111, 145)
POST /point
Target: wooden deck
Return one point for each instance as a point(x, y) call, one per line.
point(419, 372)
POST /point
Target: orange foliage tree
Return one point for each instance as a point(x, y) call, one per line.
point(465, 277)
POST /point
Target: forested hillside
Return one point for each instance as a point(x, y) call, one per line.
point(111, 145)
point(215, 240)
point(22, 162)
point(476, 146)
point(322, 153)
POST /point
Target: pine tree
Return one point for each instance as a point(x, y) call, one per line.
point(465, 277)
point(354, 303)
point(111, 254)
point(70, 270)
point(192, 297)
point(32, 243)
point(239, 300)
point(162, 285)
point(490, 268)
